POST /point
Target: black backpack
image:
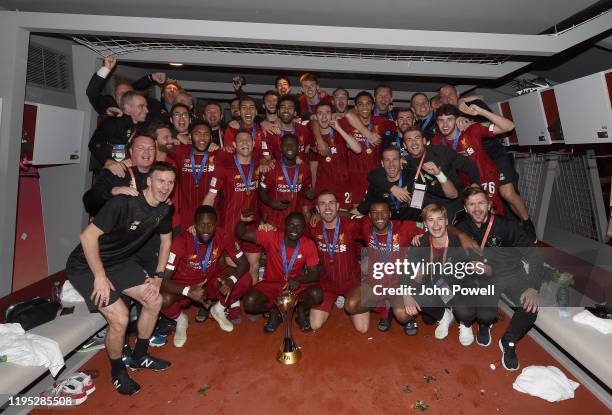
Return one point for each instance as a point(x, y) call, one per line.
point(32, 313)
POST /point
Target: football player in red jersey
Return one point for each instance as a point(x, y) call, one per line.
point(195, 166)
point(286, 187)
point(331, 172)
point(384, 238)
point(291, 264)
point(287, 125)
point(469, 143)
point(237, 183)
point(335, 238)
point(364, 127)
point(311, 96)
point(248, 112)
point(193, 263)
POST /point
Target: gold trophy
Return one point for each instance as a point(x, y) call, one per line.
point(289, 353)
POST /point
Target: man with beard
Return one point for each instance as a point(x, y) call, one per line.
point(383, 100)
point(404, 119)
point(142, 155)
point(287, 125)
point(375, 126)
point(270, 124)
point(497, 152)
point(180, 117)
point(469, 143)
point(237, 184)
point(248, 112)
point(384, 238)
point(504, 246)
point(108, 143)
point(311, 96)
point(292, 264)
point(335, 238)
point(410, 207)
point(282, 85)
point(285, 188)
point(196, 166)
point(424, 114)
point(107, 264)
point(235, 109)
point(449, 162)
point(194, 273)
point(213, 115)
point(332, 169)
point(170, 91)
point(340, 102)
point(162, 134)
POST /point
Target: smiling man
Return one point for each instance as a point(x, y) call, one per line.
point(107, 264)
point(291, 264)
point(248, 113)
point(286, 113)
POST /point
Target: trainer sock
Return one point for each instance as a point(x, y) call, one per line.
point(117, 366)
point(140, 349)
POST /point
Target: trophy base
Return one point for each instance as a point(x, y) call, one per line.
point(289, 358)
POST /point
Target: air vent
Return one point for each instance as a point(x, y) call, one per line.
point(48, 68)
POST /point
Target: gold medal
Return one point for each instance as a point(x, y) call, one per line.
point(369, 150)
point(328, 159)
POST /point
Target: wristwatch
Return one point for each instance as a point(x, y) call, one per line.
point(160, 274)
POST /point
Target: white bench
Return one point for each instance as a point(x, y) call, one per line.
point(587, 346)
point(69, 331)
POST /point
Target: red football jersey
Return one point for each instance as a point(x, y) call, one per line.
point(233, 193)
point(278, 188)
point(359, 165)
point(332, 170)
point(303, 134)
point(308, 109)
point(340, 273)
point(191, 195)
point(271, 241)
point(184, 259)
point(260, 146)
point(470, 145)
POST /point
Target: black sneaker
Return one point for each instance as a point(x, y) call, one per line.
point(202, 315)
point(150, 362)
point(274, 320)
point(125, 385)
point(509, 358)
point(384, 324)
point(483, 337)
point(411, 328)
point(529, 229)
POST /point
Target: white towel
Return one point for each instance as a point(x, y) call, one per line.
point(27, 349)
point(546, 382)
point(603, 325)
point(70, 294)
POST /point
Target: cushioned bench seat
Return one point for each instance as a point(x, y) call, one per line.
point(69, 331)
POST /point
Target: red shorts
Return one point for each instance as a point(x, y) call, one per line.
point(329, 298)
point(272, 289)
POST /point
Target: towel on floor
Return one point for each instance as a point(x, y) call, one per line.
point(69, 294)
point(602, 325)
point(546, 382)
point(27, 349)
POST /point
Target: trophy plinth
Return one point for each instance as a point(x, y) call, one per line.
point(289, 352)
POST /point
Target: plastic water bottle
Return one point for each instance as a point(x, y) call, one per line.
point(56, 293)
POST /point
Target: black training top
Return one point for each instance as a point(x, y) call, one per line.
point(128, 223)
point(101, 191)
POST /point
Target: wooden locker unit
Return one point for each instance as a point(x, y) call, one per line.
point(585, 109)
point(530, 122)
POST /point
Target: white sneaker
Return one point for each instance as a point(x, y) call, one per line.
point(444, 324)
point(84, 379)
point(466, 335)
point(218, 313)
point(180, 334)
point(68, 388)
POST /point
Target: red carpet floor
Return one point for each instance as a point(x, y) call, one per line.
point(342, 372)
